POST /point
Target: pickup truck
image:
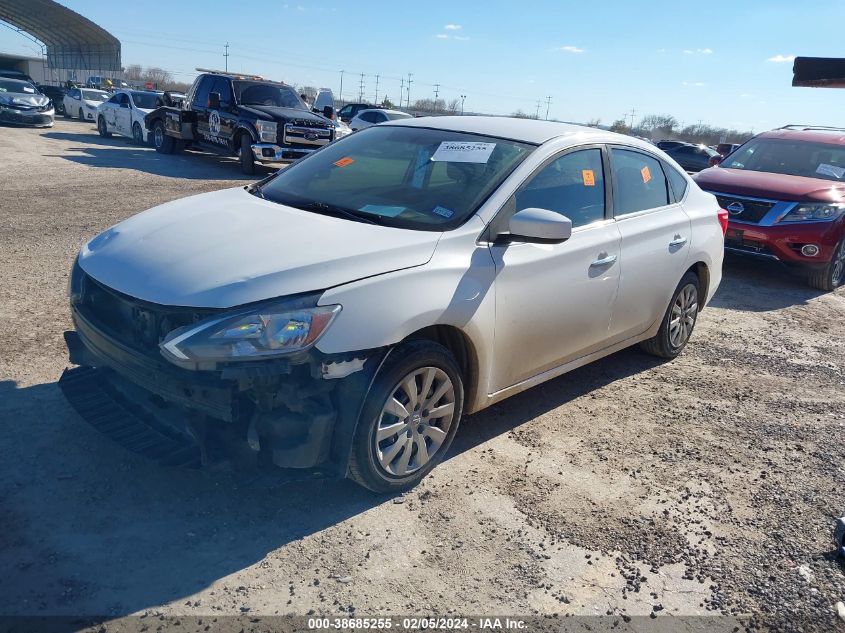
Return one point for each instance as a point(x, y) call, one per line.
point(257, 120)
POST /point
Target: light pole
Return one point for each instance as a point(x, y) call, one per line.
point(340, 96)
point(463, 98)
point(410, 81)
point(226, 55)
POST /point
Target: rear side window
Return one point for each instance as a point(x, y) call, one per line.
point(677, 182)
point(201, 95)
point(572, 185)
point(639, 182)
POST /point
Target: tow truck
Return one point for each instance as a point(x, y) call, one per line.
point(255, 119)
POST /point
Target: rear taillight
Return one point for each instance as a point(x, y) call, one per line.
point(723, 220)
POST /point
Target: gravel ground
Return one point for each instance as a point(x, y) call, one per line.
point(706, 485)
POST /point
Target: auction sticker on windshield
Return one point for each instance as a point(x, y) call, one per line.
point(463, 152)
point(830, 170)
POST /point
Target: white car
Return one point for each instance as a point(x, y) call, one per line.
point(367, 118)
point(342, 315)
point(83, 103)
point(124, 113)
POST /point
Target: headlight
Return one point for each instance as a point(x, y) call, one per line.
point(261, 332)
point(814, 213)
point(266, 131)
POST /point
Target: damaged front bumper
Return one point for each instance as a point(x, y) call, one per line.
point(297, 413)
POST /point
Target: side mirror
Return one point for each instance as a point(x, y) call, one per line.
point(539, 226)
point(714, 161)
point(214, 100)
point(328, 112)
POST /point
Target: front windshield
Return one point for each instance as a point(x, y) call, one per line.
point(145, 100)
point(95, 95)
point(409, 177)
point(255, 93)
point(790, 157)
point(20, 87)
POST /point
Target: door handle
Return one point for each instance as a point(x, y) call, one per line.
point(678, 241)
point(604, 261)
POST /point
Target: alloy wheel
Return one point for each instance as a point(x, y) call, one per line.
point(838, 265)
point(684, 312)
point(414, 421)
point(159, 136)
point(137, 134)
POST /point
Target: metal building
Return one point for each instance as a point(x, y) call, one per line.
point(73, 46)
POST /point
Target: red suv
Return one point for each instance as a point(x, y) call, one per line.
point(785, 194)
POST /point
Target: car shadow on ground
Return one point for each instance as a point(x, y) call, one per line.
point(752, 285)
point(122, 534)
point(117, 152)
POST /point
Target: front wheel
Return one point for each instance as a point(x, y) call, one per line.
point(409, 418)
point(678, 322)
point(163, 143)
point(832, 275)
point(81, 115)
point(102, 128)
point(245, 155)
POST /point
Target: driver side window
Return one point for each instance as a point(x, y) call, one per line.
point(572, 185)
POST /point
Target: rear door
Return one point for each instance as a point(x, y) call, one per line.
point(655, 234)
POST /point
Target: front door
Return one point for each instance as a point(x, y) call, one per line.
point(123, 115)
point(655, 234)
point(554, 301)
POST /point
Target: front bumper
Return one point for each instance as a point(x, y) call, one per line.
point(783, 242)
point(247, 419)
point(27, 117)
point(272, 153)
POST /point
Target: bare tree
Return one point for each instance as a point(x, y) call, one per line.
point(655, 125)
point(454, 106)
point(308, 91)
point(594, 123)
point(619, 125)
point(519, 114)
point(133, 72)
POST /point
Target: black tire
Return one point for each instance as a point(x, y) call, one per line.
point(102, 128)
point(245, 155)
point(161, 141)
point(81, 115)
point(667, 344)
point(137, 134)
point(65, 113)
point(829, 277)
point(365, 467)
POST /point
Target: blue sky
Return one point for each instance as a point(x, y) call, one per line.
point(712, 61)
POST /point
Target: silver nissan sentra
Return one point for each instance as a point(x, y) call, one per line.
point(343, 314)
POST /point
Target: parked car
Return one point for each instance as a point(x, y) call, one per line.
point(259, 121)
point(56, 94)
point(348, 112)
point(785, 192)
point(366, 118)
point(21, 103)
point(124, 114)
point(6, 73)
point(692, 157)
point(666, 145)
point(343, 314)
point(83, 103)
point(723, 149)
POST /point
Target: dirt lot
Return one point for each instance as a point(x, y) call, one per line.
point(705, 485)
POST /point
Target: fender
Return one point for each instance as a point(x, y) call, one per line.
point(240, 128)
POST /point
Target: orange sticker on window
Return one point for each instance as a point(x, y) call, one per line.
point(343, 162)
point(588, 177)
point(645, 173)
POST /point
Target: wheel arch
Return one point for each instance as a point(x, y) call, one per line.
point(702, 271)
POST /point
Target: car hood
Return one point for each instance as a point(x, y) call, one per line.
point(228, 248)
point(93, 104)
point(760, 184)
point(285, 114)
point(27, 99)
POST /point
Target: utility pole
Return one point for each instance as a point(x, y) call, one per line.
point(436, 93)
point(410, 81)
point(537, 113)
point(548, 104)
point(361, 88)
point(376, 100)
point(463, 98)
point(340, 96)
point(401, 90)
point(226, 55)
point(631, 114)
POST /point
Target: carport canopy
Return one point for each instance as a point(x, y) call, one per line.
point(72, 41)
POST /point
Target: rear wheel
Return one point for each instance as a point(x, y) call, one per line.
point(409, 418)
point(102, 128)
point(678, 322)
point(161, 141)
point(832, 275)
point(245, 155)
point(137, 134)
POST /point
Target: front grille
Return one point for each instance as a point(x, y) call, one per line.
point(310, 135)
point(752, 210)
point(135, 323)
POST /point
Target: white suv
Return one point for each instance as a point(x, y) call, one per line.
point(342, 315)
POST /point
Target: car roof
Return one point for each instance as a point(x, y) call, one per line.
point(19, 81)
point(523, 130)
point(817, 135)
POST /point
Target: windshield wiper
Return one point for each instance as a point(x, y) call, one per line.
point(330, 209)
